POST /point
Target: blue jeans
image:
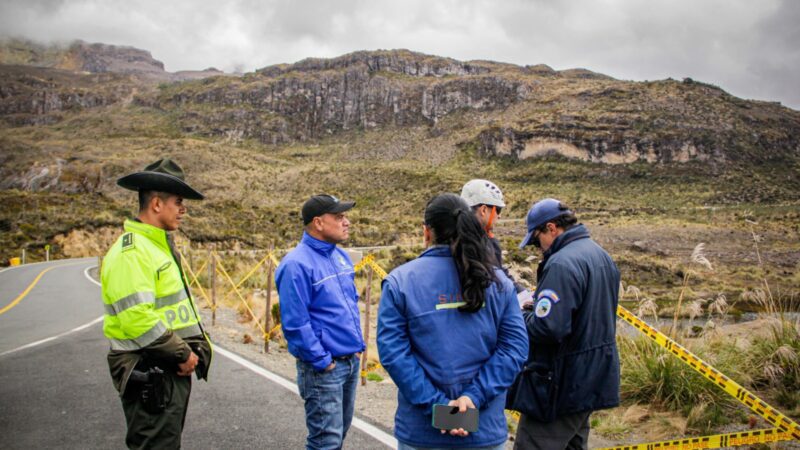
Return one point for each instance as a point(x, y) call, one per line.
point(330, 399)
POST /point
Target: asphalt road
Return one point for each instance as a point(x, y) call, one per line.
point(55, 391)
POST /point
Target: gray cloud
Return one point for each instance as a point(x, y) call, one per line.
point(748, 48)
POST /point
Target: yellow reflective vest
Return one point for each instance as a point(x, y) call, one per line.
point(144, 293)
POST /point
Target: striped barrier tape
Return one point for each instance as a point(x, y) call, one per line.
point(784, 425)
point(715, 441)
point(369, 260)
point(363, 263)
point(375, 367)
point(377, 269)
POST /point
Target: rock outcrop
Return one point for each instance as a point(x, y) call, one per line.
point(511, 111)
point(37, 95)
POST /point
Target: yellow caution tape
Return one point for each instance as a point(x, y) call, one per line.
point(377, 269)
point(236, 290)
point(361, 264)
point(715, 441)
point(758, 406)
point(369, 260)
point(275, 262)
point(252, 271)
point(194, 276)
point(273, 330)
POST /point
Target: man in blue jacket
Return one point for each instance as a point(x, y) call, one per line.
point(320, 320)
point(573, 363)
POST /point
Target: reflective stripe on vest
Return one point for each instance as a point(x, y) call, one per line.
point(137, 298)
point(171, 299)
point(191, 330)
point(142, 341)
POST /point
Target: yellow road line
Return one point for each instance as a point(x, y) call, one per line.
point(26, 291)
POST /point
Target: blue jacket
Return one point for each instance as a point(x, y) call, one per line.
point(319, 302)
point(573, 362)
point(436, 353)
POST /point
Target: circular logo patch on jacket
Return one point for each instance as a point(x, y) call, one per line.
point(543, 307)
point(548, 293)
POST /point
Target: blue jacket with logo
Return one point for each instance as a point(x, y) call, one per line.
point(436, 353)
point(319, 302)
point(573, 364)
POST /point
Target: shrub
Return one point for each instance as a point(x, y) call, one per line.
point(651, 375)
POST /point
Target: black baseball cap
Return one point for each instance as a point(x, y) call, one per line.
point(323, 204)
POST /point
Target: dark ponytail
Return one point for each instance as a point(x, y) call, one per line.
point(453, 223)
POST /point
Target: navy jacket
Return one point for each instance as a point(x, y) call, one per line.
point(319, 302)
point(436, 353)
point(498, 253)
point(573, 364)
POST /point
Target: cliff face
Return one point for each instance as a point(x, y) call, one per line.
point(317, 100)
point(514, 111)
point(526, 111)
point(34, 95)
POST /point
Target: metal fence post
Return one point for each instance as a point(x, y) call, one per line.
point(364, 355)
point(268, 314)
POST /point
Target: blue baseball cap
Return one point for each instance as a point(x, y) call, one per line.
point(540, 213)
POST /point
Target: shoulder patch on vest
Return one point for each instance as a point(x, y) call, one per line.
point(127, 241)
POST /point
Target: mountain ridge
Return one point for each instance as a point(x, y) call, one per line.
point(521, 112)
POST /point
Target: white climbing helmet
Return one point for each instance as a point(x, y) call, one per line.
point(482, 192)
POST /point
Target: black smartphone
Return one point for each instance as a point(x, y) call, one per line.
point(448, 418)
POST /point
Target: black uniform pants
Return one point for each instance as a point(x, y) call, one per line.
point(566, 432)
point(162, 430)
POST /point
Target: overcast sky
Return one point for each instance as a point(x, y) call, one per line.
point(750, 48)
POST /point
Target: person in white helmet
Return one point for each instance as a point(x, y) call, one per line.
point(486, 201)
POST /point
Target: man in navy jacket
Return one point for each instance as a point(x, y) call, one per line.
point(320, 319)
point(573, 362)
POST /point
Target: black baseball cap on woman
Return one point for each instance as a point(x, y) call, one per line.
point(323, 204)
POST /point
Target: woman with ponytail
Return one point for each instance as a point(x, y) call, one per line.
point(450, 332)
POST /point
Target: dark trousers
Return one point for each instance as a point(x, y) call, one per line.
point(566, 432)
point(162, 430)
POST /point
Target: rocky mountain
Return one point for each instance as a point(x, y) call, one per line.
point(519, 112)
point(524, 112)
point(80, 56)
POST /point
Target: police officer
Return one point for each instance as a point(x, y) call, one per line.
point(157, 340)
point(573, 362)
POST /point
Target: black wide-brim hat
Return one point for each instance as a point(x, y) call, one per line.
point(163, 175)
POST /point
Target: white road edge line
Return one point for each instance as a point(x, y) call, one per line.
point(89, 277)
point(58, 336)
point(52, 338)
point(370, 429)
